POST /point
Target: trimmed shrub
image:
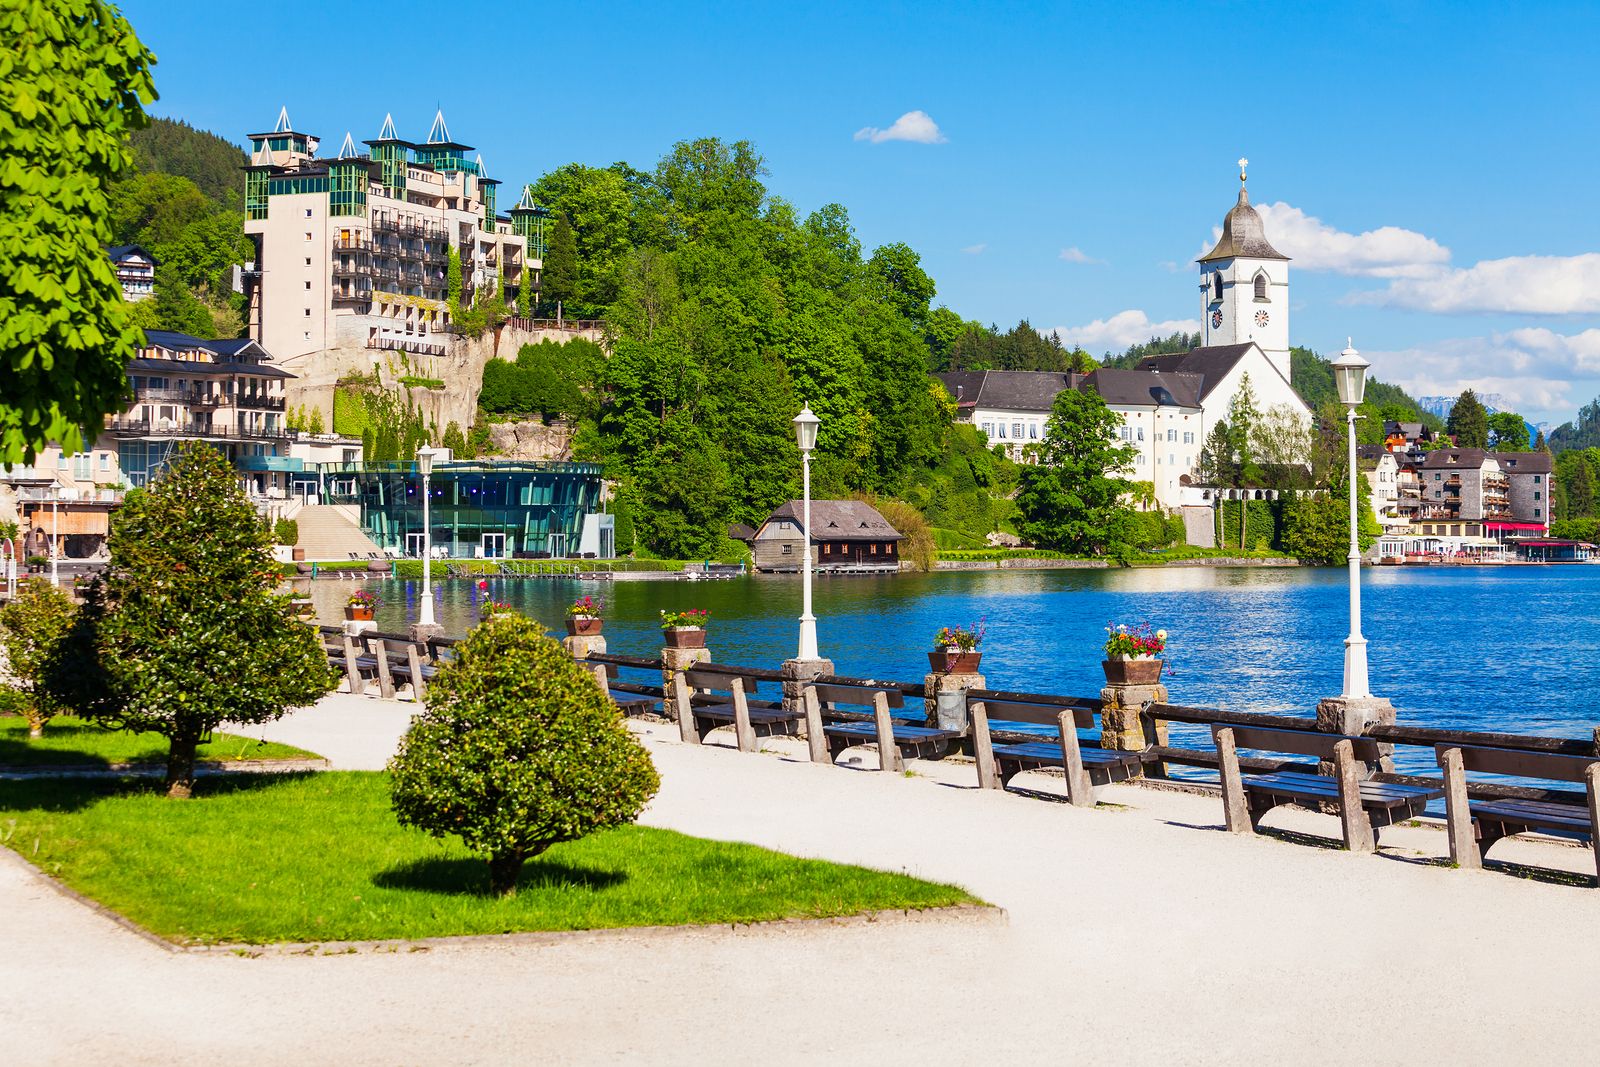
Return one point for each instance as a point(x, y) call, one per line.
point(286, 532)
point(517, 751)
point(32, 628)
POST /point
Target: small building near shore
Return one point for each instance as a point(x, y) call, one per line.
point(846, 536)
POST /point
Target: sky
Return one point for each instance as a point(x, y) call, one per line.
point(1429, 168)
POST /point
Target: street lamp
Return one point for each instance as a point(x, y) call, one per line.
point(55, 536)
point(425, 456)
point(1350, 375)
point(805, 435)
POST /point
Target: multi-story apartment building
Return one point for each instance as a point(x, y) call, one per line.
point(353, 250)
point(1382, 471)
point(1463, 484)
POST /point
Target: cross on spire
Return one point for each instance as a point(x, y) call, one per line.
point(1243, 163)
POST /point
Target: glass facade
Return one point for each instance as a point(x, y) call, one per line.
point(496, 510)
point(486, 192)
point(348, 194)
point(255, 194)
point(391, 157)
point(289, 186)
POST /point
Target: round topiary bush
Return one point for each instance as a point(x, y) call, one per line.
point(517, 751)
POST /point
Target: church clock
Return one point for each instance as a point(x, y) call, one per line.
point(1216, 319)
point(1262, 318)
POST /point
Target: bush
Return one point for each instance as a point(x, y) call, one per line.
point(32, 628)
point(286, 532)
point(517, 751)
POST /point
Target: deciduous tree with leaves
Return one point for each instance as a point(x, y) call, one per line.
point(1071, 500)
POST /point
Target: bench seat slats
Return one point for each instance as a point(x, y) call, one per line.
point(725, 713)
point(1320, 787)
point(869, 730)
point(1039, 752)
point(1565, 816)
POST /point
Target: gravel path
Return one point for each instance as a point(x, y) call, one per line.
point(1137, 932)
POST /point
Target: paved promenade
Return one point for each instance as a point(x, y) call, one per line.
point(1138, 932)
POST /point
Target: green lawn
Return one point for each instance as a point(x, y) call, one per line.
point(71, 741)
point(319, 857)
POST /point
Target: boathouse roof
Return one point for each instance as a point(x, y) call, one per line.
point(840, 520)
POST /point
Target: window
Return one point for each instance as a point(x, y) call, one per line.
point(1172, 435)
point(105, 461)
point(1216, 285)
point(308, 261)
point(1261, 294)
point(1126, 433)
point(1000, 431)
point(1140, 460)
point(1033, 431)
point(988, 429)
point(1141, 433)
point(1016, 429)
point(308, 235)
point(308, 215)
point(1536, 514)
point(1436, 477)
point(827, 549)
point(874, 548)
point(308, 315)
point(1172, 460)
point(1535, 482)
point(788, 550)
point(1188, 439)
point(308, 286)
point(1535, 496)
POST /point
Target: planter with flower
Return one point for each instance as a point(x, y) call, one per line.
point(491, 608)
point(360, 606)
point(955, 649)
point(584, 616)
point(1133, 654)
point(685, 629)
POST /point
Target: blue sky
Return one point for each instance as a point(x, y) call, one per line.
point(1429, 168)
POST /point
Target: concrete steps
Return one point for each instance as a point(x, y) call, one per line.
point(326, 533)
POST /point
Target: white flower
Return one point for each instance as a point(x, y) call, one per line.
point(1161, 635)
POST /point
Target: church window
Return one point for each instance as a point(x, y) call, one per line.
point(1261, 287)
point(1216, 285)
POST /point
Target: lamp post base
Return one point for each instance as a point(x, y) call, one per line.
point(1352, 716)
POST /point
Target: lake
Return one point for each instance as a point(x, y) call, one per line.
point(1484, 648)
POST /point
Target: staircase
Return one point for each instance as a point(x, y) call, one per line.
point(328, 533)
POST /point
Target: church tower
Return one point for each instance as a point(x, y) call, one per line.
point(1244, 286)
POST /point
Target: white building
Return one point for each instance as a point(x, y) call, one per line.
point(1382, 472)
point(1163, 419)
point(1011, 407)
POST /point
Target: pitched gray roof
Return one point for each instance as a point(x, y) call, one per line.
point(1525, 462)
point(1008, 390)
point(1454, 457)
point(1210, 364)
point(840, 520)
point(1242, 235)
point(1145, 388)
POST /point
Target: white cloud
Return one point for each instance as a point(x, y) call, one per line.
point(1121, 330)
point(912, 126)
point(1078, 255)
point(1540, 373)
point(1387, 252)
point(974, 250)
point(1532, 285)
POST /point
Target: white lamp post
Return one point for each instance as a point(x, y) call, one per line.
point(425, 468)
point(1350, 375)
point(805, 434)
point(55, 536)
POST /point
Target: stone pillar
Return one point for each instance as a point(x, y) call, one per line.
point(674, 661)
point(421, 632)
point(581, 646)
point(1354, 716)
point(936, 682)
point(796, 673)
point(359, 627)
point(1121, 707)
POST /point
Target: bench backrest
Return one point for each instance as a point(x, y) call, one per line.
point(1043, 714)
point(1298, 742)
point(1545, 765)
point(857, 695)
point(717, 682)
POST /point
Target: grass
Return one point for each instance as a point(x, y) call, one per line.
point(69, 741)
point(319, 857)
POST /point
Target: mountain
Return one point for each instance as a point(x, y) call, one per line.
point(1441, 405)
point(171, 146)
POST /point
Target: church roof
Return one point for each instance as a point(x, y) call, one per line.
point(1242, 234)
point(1211, 364)
point(1142, 388)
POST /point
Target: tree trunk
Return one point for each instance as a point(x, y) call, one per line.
point(180, 765)
point(504, 868)
point(35, 723)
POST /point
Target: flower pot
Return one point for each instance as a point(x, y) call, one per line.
point(297, 555)
point(954, 661)
point(685, 637)
point(584, 625)
point(357, 614)
point(1142, 670)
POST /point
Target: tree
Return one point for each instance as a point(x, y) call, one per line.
point(314, 423)
point(1317, 528)
point(1242, 417)
point(75, 84)
point(1580, 492)
point(1539, 443)
point(188, 632)
point(1216, 457)
point(1069, 500)
point(899, 271)
point(1280, 441)
point(518, 750)
point(1509, 432)
point(919, 547)
point(559, 280)
point(1469, 422)
point(32, 628)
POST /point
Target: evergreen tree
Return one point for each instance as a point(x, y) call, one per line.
point(75, 85)
point(1469, 422)
point(1580, 493)
point(314, 423)
point(1540, 444)
point(1070, 500)
point(560, 280)
point(188, 631)
point(1243, 413)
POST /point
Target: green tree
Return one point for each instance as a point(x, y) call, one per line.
point(518, 750)
point(188, 631)
point(1509, 433)
point(1540, 444)
point(899, 271)
point(1469, 422)
point(314, 423)
point(1243, 414)
point(76, 79)
point(1580, 491)
point(32, 629)
point(559, 279)
point(1070, 500)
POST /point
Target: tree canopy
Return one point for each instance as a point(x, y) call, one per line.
point(1469, 421)
point(1070, 500)
point(75, 82)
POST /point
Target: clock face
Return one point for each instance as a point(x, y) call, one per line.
point(1216, 319)
point(1262, 318)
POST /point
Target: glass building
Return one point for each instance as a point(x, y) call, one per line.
point(529, 509)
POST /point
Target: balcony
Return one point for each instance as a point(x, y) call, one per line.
point(258, 402)
point(407, 344)
point(359, 243)
point(133, 428)
point(180, 396)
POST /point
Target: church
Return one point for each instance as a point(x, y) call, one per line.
point(1169, 403)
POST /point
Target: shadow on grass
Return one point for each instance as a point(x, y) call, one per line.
point(76, 794)
point(471, 876)
point(23, 754)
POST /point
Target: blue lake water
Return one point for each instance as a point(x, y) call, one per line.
point(1509, 648)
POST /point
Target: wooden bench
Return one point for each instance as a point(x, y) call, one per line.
point(628, 701)
point(895, 740)
point(1085, 768)
point(344, 655)
point(749, 720)
point(402, 660)
point(1364, 805)
point(1475, 825)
